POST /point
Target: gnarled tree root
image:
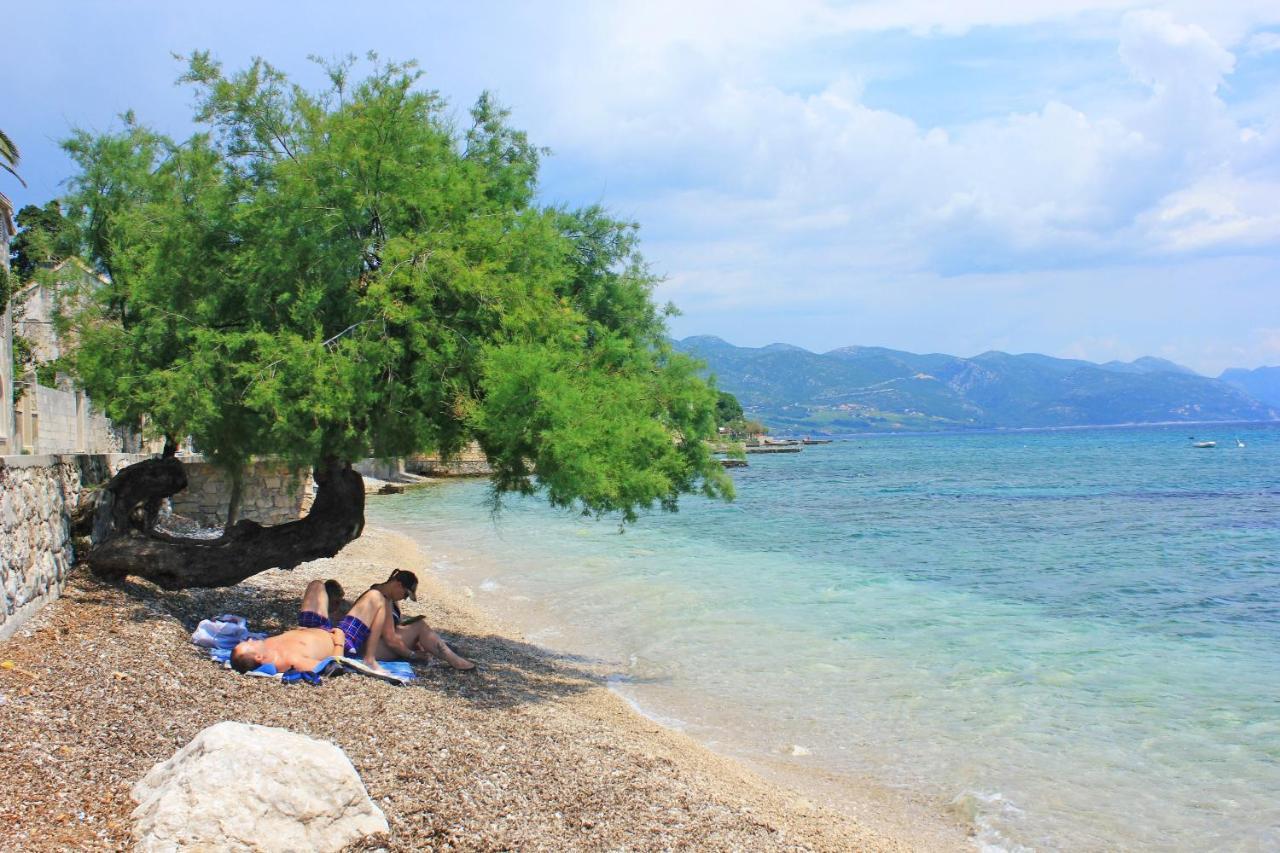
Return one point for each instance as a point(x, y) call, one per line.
point(127, 544)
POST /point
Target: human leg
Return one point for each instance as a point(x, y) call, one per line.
point(314, 612)
point(419, 637)
point(376, 625)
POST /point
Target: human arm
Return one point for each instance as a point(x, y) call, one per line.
point(391, 637)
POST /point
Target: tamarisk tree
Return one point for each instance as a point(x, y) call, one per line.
point(326, 276)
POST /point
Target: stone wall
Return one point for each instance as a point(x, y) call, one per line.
point(470, 462)
point(271, 494)
point(54, 421)
point(380, 469)
point(37, 496)
point(8, 443)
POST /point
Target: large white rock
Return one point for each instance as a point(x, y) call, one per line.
point(243, 787)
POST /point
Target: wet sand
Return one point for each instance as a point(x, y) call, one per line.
point(531, 752)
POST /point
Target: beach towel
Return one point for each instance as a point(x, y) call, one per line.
point(223, 632)
point(328, 666)
point(397, 671)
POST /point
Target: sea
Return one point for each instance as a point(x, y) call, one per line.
point(1070, 638)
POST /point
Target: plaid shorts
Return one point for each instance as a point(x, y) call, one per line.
point(356, 633)
point(308, 619)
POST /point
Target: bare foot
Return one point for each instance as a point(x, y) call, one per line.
point(440, 649)
point(455, 660)
point(376, 667)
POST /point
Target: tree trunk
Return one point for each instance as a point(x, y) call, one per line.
point(233, 503)
point(127, 544)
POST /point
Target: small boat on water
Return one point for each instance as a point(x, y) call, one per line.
point(1205, 444)
point(816, 440)
point(1239, 443)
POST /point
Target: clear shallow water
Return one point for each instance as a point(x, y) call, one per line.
point(1072, 636)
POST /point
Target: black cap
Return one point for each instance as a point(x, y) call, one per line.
point(408, 580)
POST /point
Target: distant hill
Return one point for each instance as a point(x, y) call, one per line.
point(1147, 364)
point(1262, 384)
point(870, 388)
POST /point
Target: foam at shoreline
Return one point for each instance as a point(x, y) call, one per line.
point(914, 818)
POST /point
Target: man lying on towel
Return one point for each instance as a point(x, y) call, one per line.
point(301, 649)
point(374, 628)
point(305, 646)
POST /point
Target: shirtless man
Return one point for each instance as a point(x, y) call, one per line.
point(300, 649)
point(373, 627)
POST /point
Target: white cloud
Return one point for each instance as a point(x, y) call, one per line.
point(1217, 211)
point(777, 170)
point(1264, 42)
point(1163, 53)
point(693, 101)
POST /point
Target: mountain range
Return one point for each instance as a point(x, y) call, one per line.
point(1262, 383)
point(872, 388)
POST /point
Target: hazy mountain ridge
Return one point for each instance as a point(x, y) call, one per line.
point(1262, 383)
point(868, 388)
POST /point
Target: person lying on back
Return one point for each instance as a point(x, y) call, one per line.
point(373, 627)
point(300, 649)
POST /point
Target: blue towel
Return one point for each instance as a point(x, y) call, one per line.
point(402, 670)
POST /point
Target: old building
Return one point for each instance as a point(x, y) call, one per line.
point(6, 332)
point(48, 414)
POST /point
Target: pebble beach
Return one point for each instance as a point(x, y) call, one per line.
point(532, 752)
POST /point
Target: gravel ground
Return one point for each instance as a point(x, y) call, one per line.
point(530, 753)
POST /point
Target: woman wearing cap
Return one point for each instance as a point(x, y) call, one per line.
point(373, 626)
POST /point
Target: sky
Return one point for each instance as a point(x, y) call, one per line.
point(1096, 179)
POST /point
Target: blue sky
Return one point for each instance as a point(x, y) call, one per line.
point(1096, 179)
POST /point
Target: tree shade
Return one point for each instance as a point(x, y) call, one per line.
point(322, 277)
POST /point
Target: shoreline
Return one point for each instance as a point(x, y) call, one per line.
point(891, 810)
point(534, 752)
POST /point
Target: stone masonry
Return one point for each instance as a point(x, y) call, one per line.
point(469, 462)
point(39, 494)
point(270, 494)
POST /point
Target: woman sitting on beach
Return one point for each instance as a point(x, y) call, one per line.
point(374, 628)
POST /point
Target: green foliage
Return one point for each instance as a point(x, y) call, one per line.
point(10, 156)
point(344, 274)
point(742, 428)
point(728, 409)
point(47, 372)
point(23, 357)
point(45, 237)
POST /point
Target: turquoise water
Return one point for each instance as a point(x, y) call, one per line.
point(1071, 637)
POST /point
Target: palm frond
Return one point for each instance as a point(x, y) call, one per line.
point(10, 156)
